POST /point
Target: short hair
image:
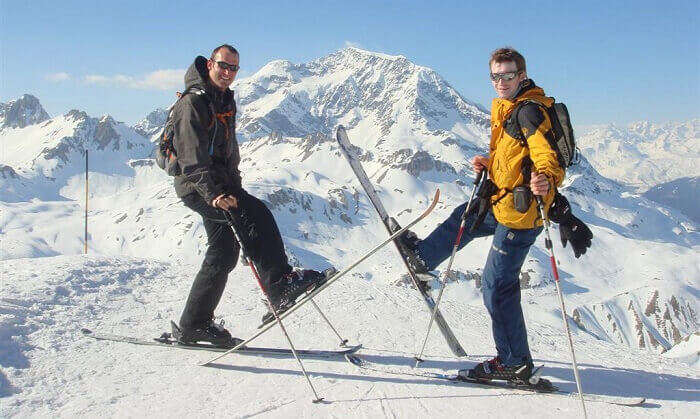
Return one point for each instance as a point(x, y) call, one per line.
point(506, 54)
point(231, 49)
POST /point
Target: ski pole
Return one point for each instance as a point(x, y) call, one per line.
point(343, 342)
point(548, 244)
point(477, 180)
point(272, 309)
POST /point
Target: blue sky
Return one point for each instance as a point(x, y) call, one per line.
point(609, 61)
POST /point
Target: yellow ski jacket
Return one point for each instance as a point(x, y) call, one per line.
point(507, 154)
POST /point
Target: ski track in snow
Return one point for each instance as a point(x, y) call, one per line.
point(49, 369)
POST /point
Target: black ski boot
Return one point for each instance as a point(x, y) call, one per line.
point(212, 332)
point(408, 242)
point(495, 370)
point(284, 292)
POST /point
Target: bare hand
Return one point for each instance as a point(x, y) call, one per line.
point(539, 184)
point(480, 163)
point(225, 202)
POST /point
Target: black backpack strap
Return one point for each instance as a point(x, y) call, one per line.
point(514, 128)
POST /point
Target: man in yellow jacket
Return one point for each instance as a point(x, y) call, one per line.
point(518, 166)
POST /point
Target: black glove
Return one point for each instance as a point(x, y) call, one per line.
point(571, 229)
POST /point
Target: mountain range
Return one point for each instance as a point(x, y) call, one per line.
point(636, 287)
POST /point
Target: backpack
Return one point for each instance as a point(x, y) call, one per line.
point(560, 138)
point(166, 155)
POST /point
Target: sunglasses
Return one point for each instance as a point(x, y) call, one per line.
point(508, 76)
point(226, 66)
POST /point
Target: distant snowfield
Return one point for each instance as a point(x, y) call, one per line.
point(50, 369)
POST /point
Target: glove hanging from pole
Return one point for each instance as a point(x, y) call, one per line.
point(571, 229)
point(482, 204)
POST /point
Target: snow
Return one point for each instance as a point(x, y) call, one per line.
point(687, 351)
point(50, 369)
point(415, 134)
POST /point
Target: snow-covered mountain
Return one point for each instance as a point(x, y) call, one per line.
point(643, 154)
point(46, 159)
point(385, 96)
point(632, 295)
point(153, 123)
point(681, 193)
point(22, 112)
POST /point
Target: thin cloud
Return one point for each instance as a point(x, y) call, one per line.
point(58, 77)
point(156, 80)
point(352, 44)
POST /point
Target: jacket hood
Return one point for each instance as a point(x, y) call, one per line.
point(197, 76)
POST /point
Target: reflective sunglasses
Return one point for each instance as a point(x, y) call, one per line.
point(226, 66)
point(508, 76)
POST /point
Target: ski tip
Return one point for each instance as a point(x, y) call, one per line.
point(632, 401)
point(320, 400)
point(340, 130)
point(353, 348)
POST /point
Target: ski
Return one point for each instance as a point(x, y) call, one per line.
point(452, 378)
point(422, 286)
point(308, 297)
point(167, 341)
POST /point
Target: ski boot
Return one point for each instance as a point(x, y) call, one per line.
point(523, 375)
point(285, 291)
point(212, 332)
point(408, 243)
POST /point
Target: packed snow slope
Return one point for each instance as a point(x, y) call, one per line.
point(50, 369)
point(632, 296)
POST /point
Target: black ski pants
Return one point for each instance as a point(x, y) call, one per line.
point(261, 240)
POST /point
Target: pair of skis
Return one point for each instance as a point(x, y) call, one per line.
point(346, 147)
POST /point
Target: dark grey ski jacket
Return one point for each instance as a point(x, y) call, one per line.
point(205, 142)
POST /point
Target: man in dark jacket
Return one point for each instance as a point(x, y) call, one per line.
point(204, 138)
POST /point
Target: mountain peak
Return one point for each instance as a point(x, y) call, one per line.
point(22, 112)
point(388, 94)
point(76, 115)
point(354, 51)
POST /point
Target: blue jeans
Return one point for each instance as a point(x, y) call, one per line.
point(500, 279)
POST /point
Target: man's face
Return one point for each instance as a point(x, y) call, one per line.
point(222, 78)
point(506, 89)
